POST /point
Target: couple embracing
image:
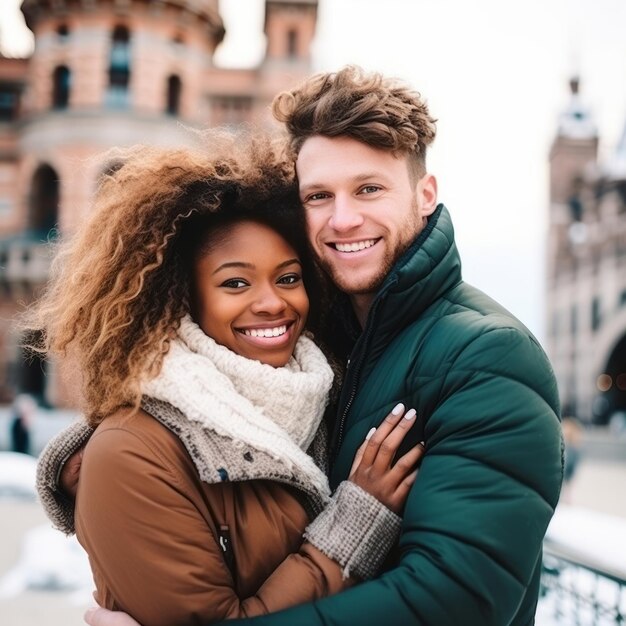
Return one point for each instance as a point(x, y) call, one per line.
point(296, 410)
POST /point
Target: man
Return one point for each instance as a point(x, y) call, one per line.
point(470, 549)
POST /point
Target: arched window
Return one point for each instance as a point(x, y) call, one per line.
point(292, 44)
point(174, 88)
point(44, 202)
point(119, 67)
point(61, 84)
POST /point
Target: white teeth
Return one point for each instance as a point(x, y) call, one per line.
point(356, 246)
point(266, 332)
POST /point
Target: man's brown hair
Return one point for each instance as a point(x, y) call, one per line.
point(380, 112)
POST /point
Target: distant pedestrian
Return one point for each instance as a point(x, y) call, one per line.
point(21, 423)
point(572, 436)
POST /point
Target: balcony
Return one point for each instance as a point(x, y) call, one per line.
point(25, 259)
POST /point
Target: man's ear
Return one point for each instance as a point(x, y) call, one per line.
point(426, 195)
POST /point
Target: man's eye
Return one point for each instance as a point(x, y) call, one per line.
point(316, 196)
point(370, 189)
point(290, 279)
point(234, 283)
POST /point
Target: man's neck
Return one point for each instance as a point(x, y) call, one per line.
point(361, 303)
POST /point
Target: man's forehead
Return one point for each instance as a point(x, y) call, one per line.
point(344, 155)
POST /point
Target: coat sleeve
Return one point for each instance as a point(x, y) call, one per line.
point(476, 516)
point(153, 552)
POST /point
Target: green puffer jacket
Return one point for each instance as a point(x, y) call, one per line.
point(487, 403)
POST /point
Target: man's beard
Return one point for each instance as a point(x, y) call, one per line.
point(413, 225)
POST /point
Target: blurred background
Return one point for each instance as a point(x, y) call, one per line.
point(531, 161)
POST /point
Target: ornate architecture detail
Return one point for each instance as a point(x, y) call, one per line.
point(105, 74)
point(587, 268)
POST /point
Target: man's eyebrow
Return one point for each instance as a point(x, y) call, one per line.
point(369, 176)
point(356, 179)
point(311, 187)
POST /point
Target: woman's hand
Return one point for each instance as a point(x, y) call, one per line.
point(374, 469)
point(71, 473)
point(97, 616)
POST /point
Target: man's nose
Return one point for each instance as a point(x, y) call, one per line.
point(268, 301)
point(345, 215)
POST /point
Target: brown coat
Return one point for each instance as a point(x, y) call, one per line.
point(151, 528)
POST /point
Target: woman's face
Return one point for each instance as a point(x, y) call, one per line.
point(249, 295)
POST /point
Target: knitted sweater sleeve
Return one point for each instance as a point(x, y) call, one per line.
point(56, 504)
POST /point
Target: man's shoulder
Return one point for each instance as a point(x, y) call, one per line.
point(467, 328)
point(466, 313)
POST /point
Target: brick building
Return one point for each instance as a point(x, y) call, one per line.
point(108, 73)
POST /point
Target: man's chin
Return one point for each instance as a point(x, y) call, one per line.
point(354, 287)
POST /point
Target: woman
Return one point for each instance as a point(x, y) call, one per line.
point(181, 303)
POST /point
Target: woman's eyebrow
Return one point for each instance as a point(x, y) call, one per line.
point(289, 262)
point(224, 266)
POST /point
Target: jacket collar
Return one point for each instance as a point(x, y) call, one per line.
point(429, 268)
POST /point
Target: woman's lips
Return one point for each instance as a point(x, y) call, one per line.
point(268, 336)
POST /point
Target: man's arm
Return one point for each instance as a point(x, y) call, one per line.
point(476, 516)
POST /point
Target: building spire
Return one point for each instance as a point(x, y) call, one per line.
point(576, 121)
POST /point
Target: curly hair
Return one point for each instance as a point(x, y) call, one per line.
point(120, 287)
point(377, 111)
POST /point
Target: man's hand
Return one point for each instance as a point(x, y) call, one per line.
point(97, 616)
point(71, 473)
point(375, 468)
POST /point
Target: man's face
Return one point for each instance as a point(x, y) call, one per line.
point(362, 209)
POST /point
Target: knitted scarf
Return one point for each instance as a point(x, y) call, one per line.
point(276, 410)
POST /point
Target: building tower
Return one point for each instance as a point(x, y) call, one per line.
point(587, 268)
point(289, 28)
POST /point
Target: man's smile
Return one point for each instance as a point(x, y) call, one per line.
point(354, 246)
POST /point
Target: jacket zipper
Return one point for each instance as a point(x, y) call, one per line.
point(355, 379)
point(227, 548)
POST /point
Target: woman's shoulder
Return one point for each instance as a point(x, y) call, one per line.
point(134, 438)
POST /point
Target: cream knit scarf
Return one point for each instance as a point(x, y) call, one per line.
point(277, 410)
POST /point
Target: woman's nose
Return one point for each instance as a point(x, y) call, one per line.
point(268, 301)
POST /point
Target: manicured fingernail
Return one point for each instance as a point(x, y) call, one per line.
point(398, 409)
point(371, 432)
point(410, 414)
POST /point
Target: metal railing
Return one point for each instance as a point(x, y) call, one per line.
point(580, 591)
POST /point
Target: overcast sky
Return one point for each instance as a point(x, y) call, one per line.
point(495, 75)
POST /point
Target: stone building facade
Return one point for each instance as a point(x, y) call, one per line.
point(587, 269)
point(108, 73)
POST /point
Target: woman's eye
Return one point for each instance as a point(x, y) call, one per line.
point(290, 279)
point(234, 283)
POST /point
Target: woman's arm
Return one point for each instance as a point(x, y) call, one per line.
point(156, 556)
point(58, 470)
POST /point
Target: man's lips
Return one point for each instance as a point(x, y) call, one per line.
point(353, 246)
